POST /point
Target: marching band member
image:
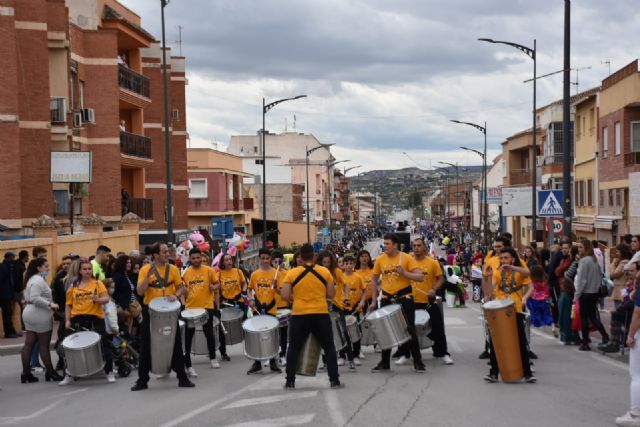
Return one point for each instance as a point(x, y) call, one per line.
point(395, 271)
point(232, 286)
point(84, 309)
point(510, 280)
point(364, 269)
point(157, 279)
point(350, 299)
point(202, 285)
point(263, 287)
point(309, 286)
point(278, 261)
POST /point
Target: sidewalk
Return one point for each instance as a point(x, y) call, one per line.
point(9, 346)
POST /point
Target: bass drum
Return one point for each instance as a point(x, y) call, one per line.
point(261, 337)
point(309, 357)
point(501, 321)
point(389, 326)
point(83, 354)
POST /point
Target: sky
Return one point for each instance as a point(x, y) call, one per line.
point(384, 77)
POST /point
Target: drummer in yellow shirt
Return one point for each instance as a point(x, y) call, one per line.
point(395, 271)
point(233, 286)
point(278, 261)
point(157, 279)
point(202, 285)
point(263, 288)
point(84, 310)
point(511, 280)
point(350, 304)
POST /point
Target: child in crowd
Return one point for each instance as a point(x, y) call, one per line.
point(537, 299)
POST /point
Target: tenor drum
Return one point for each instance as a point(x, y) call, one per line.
point(389, 326)
point(283, 315)
point(501, 321)
point(163, 315)
point(199, 342)
point(83, 353)
point(339, 340)
point(423, 328)
point(353, 329)
point(309, 357)
point(232, 321)
point(261, 337)
point(194, 317)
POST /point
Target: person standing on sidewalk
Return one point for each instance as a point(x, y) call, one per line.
point(7, 288)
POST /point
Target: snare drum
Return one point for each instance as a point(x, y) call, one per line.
point(389, 326)
point(261, 337)
point(283, 315)
point(503, 329)
point(339, 339)
point(194, 317)
point(353, 329)
point(83, 354)
point(232, 321)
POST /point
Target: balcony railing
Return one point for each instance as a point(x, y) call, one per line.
point(141, 207)
point(631, 159)
point(519, 176)
point(58, 110)
point(136, 145)
point(553, 159)
point(130, 80)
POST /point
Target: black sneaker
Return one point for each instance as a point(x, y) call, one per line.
point(139, 385)
point(419, 368)
point(380, 367)
point(289, 385)
point(396, 355)
point(532, 355)
point(530, 379)
point(584, 347)
point(255, 368)
point(186, 383)
point(484, 355)
point(337, 384)
point(275, 368)
point(491, 378)
point(225, 357)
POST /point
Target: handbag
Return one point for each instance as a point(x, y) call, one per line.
point(606, 285)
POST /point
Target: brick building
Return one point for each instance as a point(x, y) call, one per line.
point(85, 76)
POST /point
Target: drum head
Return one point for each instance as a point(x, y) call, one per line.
point(422, 317)
point(498, 304)
point(163, 305)
point(383, 312)
point(230, 313)
point(283, 312)
point(80, 340)
point(260, 323)
point(193, 313)
point(350, 320)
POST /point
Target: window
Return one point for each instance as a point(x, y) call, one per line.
point(175, 115)
point(590, 193)
point(601, 198)
point(619, 197)
point(635, 137)
point(576, 193)
point(592, 121)
point(61, 202)
point(617, 138)
point(197, 188)
point(605, 142)
point(81, 94)
point(581, 193)
point(611, 198)
point(578, 127)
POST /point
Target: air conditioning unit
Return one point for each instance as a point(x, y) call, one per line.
point(77, 119)
point(88, 115)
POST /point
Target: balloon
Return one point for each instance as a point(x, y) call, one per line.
point(217, 259)
point(233, 251)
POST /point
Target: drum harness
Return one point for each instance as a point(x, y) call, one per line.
point(511, 287)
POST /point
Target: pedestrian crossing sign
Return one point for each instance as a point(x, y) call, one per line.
point(550, 203)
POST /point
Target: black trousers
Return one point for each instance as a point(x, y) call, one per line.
point(207, 328)
point(7, 314)
point(524, 352)
point(589, 313)
point(177, 358)
point(284, 339)
point(554, 293)
point(300, 326)
point(96, 324)
point(408, 308)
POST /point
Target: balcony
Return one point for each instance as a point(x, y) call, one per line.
point(631, 159)
point(132, 81)
point(553, 159)
point(141, 207)
point(135, 145)
point(58, 110)
point(519, 176)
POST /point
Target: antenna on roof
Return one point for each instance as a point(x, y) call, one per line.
point(608, 63)
point(294, 122)
point(179, 41)
point(577, 82)
point(285, 125)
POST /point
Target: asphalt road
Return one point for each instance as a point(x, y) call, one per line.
point(573, 389)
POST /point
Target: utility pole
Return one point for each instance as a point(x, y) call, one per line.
point(566, 121)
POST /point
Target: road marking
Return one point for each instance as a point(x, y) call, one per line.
point(454, 321)
point(544, 335)
point(333, 404)
point(294, 420)
point(19, 419)
point(611, 362)
point(270, 399)
point(454, 345)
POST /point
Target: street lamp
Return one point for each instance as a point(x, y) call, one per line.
point(265, 109)
point(446, 188)
point(167, 139)
point(531, 53)
point(484, 207)
point(329, 193)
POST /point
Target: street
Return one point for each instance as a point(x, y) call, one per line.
point(573, 389)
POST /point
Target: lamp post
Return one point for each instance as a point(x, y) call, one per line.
point(531, 53)
point(308, 152)
point(484, 207)
point(167, 138)
point(265, 109)
point(446, 188)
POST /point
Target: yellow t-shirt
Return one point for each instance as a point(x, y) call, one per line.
point(261, 283)
point(356, 286)
point(280, 303)
point(521, 283)
point(81, 299)
point(365, 275)
point(155, 288)
point(431, 270)
point(492, 261)
point(231, 282)
point(309, 294)
point(197, 281)
point(392, 282)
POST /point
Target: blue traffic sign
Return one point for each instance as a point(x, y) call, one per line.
point(550, 203)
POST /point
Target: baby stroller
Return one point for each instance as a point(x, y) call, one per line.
point(125, 356)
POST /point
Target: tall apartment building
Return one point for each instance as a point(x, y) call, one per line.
point(84, 75)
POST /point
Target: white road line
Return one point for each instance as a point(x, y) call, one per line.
point(544, 335)
point(20, 419)
point(210, 405)
point(294, 420)
point(611, 362)
point(454, 321)
point(454, 345)
point(333, 404)
point(270, 399)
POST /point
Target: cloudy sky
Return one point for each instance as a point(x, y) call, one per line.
point(384, 77)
